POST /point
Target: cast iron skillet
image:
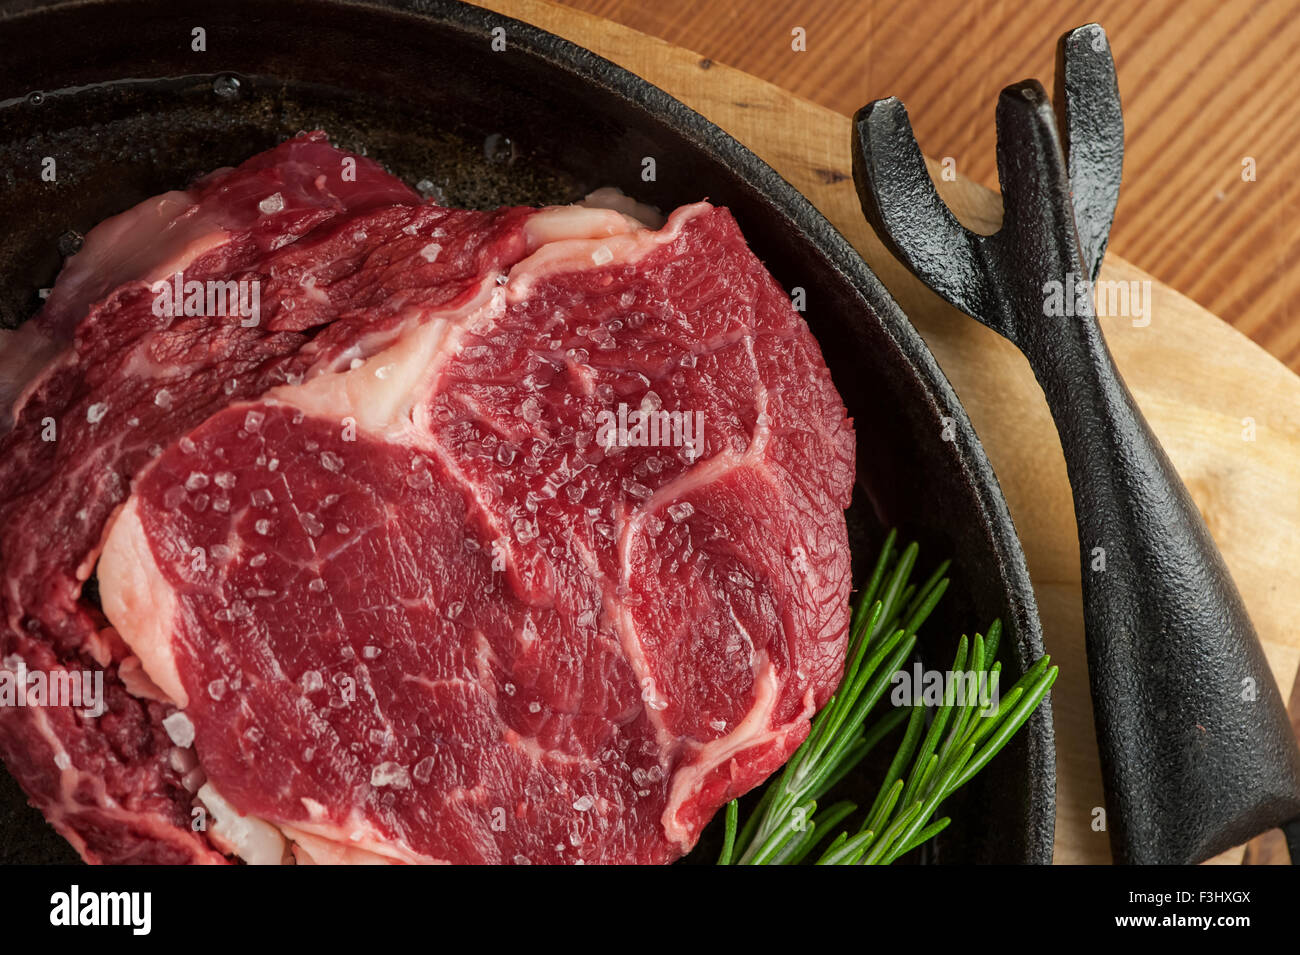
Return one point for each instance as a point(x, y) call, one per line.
point(128, 109)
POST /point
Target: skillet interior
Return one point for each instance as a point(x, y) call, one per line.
point(129, 110)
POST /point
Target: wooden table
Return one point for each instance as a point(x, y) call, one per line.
point(1196, 379)
point(1205, 85)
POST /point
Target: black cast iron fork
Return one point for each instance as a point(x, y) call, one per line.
point(1197, 751)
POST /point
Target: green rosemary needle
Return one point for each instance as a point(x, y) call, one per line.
point(933, 759)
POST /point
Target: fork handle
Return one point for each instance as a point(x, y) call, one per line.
point(1197, 752)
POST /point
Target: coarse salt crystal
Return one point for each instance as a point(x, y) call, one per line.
point(272, 203)
point(180, 729)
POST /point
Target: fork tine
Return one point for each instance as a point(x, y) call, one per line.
point(1092, 133)
point(899, 200)
point(1036, 206)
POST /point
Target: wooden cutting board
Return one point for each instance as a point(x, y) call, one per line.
point(1227, 413)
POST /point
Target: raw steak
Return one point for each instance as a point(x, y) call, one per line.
point(391, 574)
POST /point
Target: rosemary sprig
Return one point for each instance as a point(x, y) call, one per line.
point(932, 761)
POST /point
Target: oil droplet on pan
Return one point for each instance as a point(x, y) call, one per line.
point(499, 148)
point(226, 86)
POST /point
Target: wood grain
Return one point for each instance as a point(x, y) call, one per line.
point(1197, 380)
point(1204, 83)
